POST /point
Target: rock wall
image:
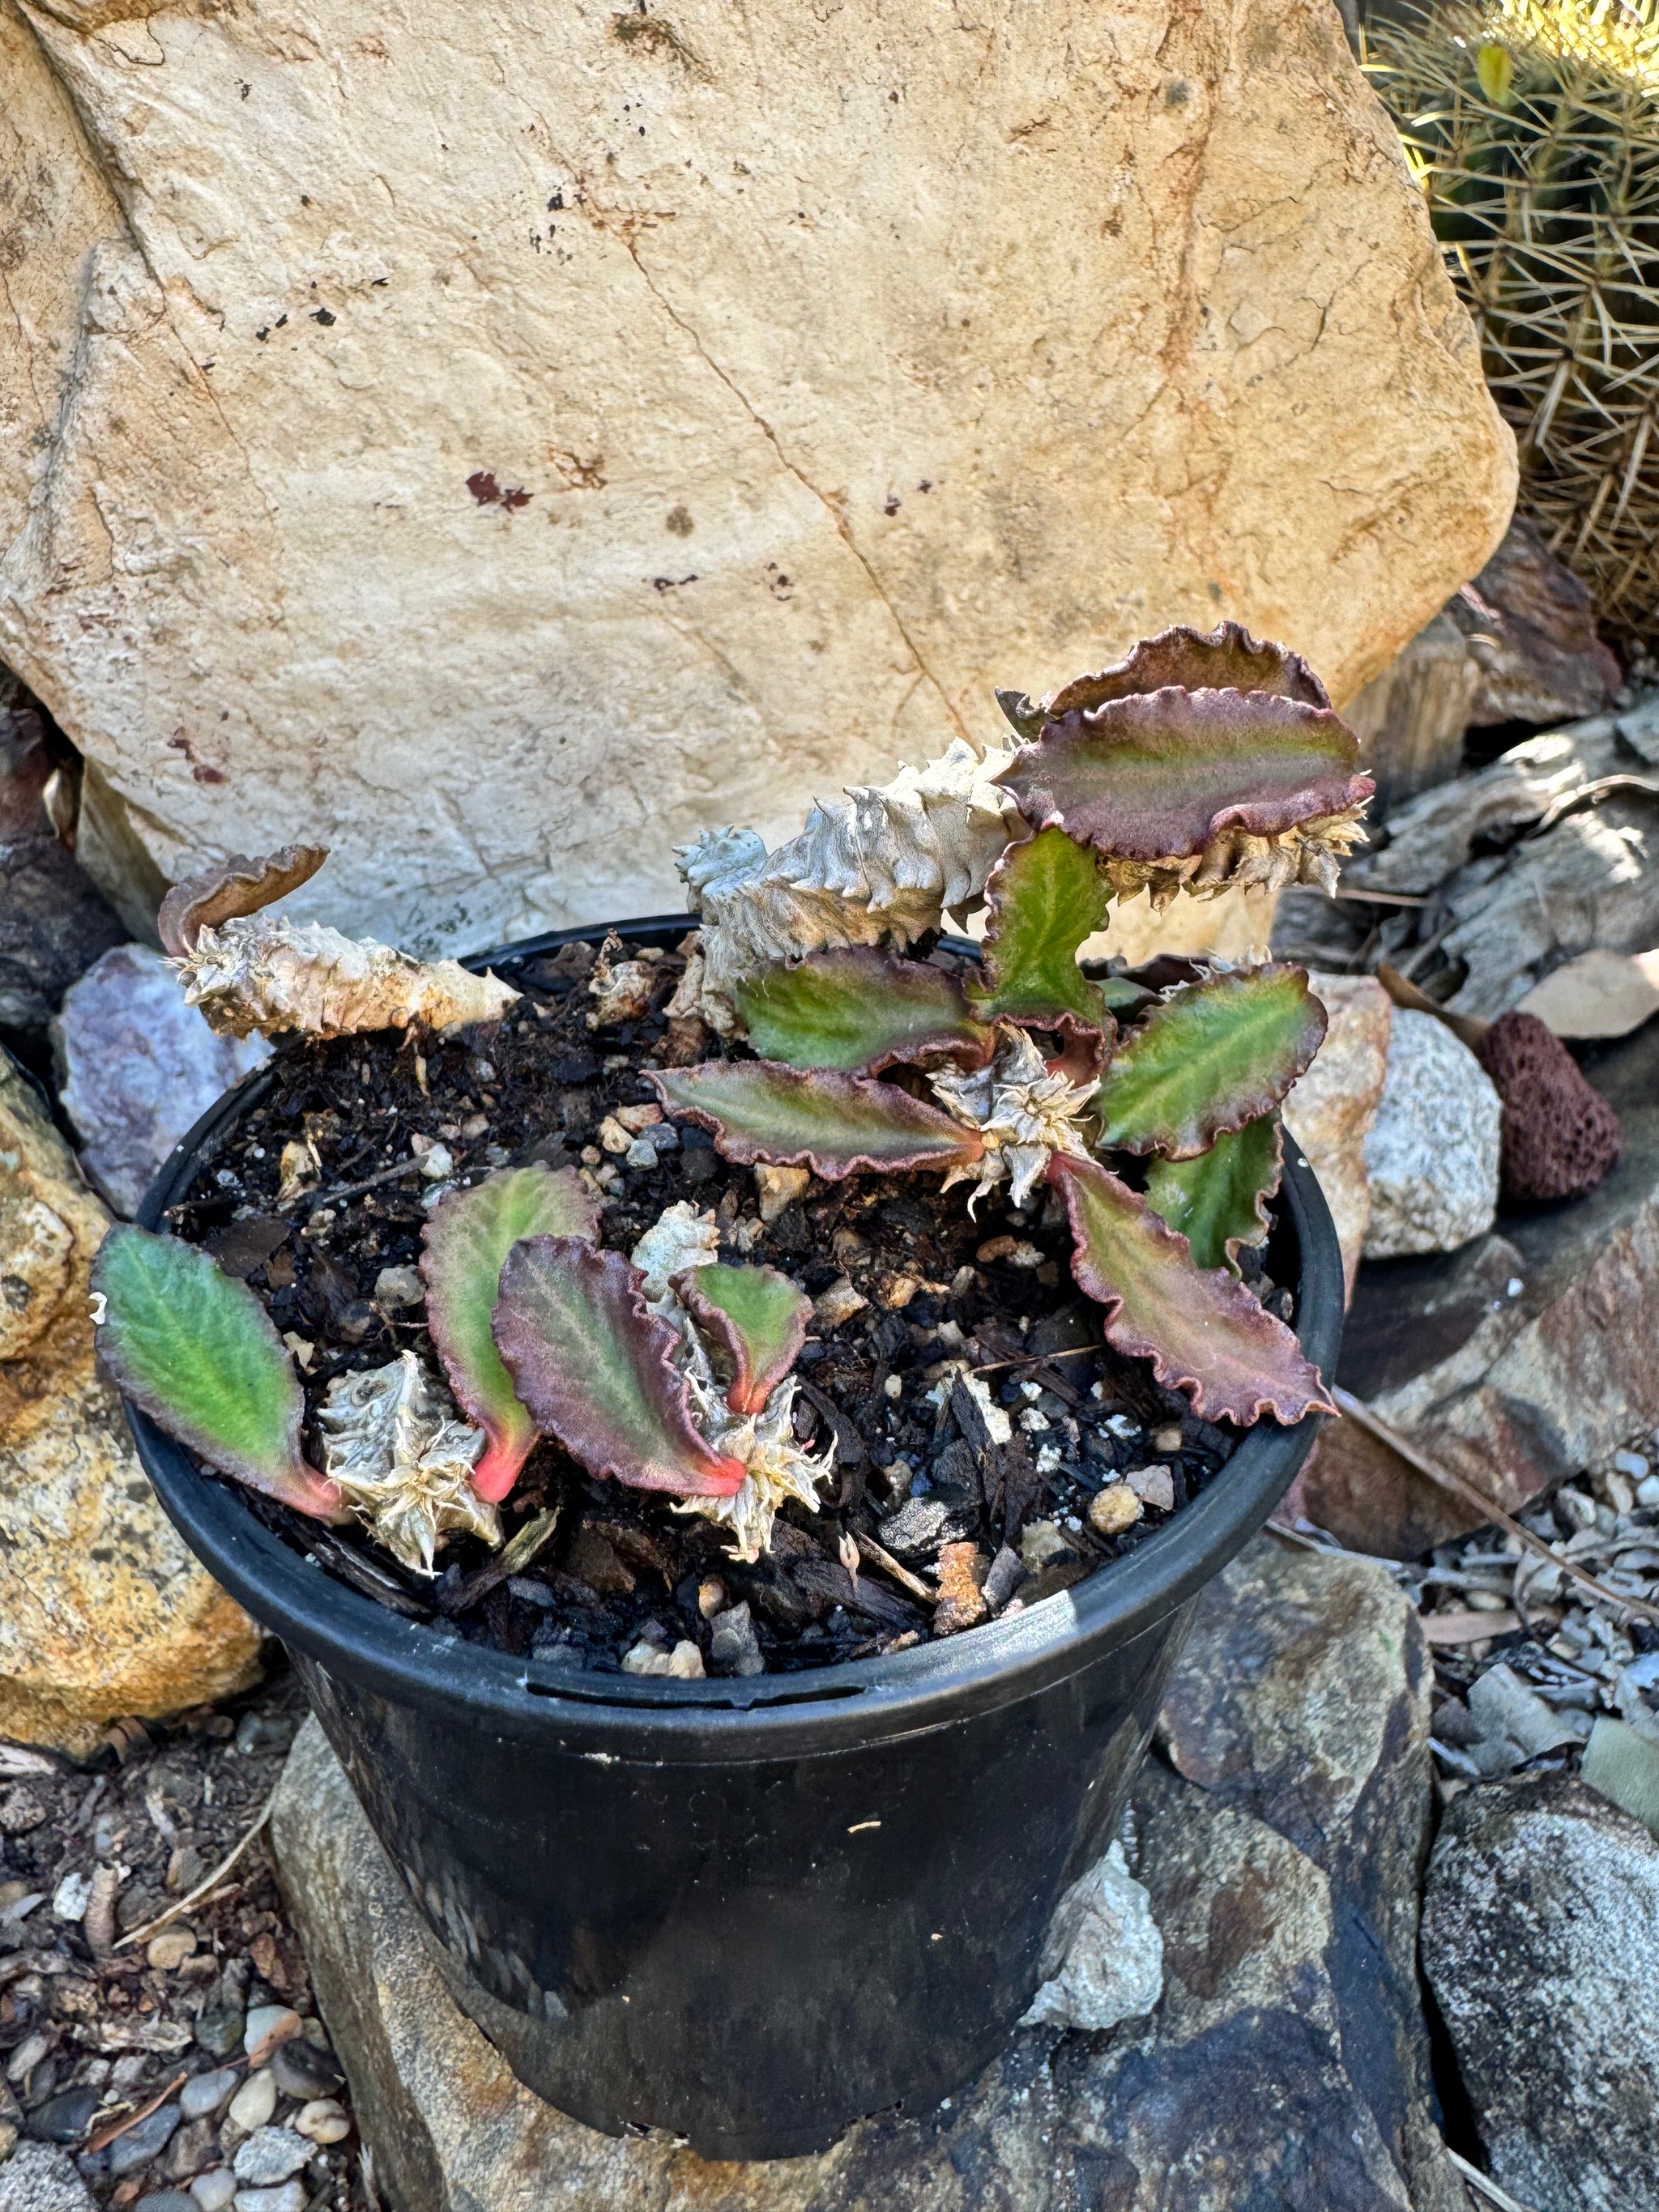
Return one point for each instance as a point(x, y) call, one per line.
point(503, 441)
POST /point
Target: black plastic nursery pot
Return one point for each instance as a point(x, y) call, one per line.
point(750, 1912)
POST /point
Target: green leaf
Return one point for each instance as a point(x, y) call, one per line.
point(859, 1011)
point(1043, 898)
point(759, 1318)
point(200, 1354)
point(1208, 1058)
point(1494, 70)
point(596, 1369)
point(761, 1111)
point(1203, 1333)
point(1162, 774)
point(1217, 1201)
point(465, 1241)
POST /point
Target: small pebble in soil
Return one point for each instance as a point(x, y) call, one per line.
point(165, 2200)
point(733, 1647)
point(219, 2030)
point(212, 2193)
point(1113, 1509)
point(205, 2092)
point(684, 1661)
point(195, 2147)
point(323, 2121)
point(1006, 1572)
point(270, 2155)
point(144, 2141)
point(169, 1950)
point(255, 2101)
point(303, 2070)
point(65, 2118)
point(289, 2196)
point(1152, 1485)
point(267, 2026)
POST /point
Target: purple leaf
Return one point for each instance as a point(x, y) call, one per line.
point(1163, 775)
point(1205, 1333)
point(761, 1111)
point(596, 1369)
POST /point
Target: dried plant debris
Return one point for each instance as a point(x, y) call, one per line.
point(271, 977)
point(248, 974)
point(403, 1461)
point(883, 869)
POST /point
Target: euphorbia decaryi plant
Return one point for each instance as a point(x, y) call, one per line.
point(1197, 764)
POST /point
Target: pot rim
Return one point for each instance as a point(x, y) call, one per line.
point(718, 1721)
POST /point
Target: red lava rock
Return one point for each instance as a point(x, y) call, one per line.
point(1560, 1137)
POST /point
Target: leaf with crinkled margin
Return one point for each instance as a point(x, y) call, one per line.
point(467, 1240)
point(201, 1356)
point(859, 1011)
point(1205, 1333)
point(1208, 1058)
point(596, 1369)
point(759, 1318)
point(1226, 659)
point(1042, 899)
point(761, 1112)
point(1162, 775)
point(1217, 1201)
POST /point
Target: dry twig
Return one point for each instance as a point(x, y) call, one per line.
point(101, 2138)
point(1487, 2187)
point(901, 1575)
point(164, 1919)
point(1467, 1494)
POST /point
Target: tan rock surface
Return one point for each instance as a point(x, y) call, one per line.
point(1330, 1111)
point(505, 441)
point(102, 1610)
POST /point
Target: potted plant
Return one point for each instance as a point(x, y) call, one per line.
point(730, 1424)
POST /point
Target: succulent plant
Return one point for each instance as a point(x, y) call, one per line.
point(1150, 1117)
point(1534, 127)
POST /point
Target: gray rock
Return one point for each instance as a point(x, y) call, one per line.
point(734, 1646)
point(39, 2177)
point(270, 2155)
point(301, 2070)
point(1540, 1940)
point(1284, 2069)
point(136, 1067)
point(1431, 1156)
point(1104, 1960)
point(194, 2146)
point(289, 2197)
point(205, 2092)
point(165, 2200)
point(145, 2140)
point(219, 2030)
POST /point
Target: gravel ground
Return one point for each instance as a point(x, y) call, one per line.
point(178, 2068)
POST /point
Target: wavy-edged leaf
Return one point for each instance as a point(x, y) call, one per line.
point(235, 885)
point(1226, 659)
point(859, 1011)
point(596, 1369)
point(1218, 1201)
point(200, 1354)
point(1042, 899)
point(1162, 775)
point(756, 1316)
point(760, 1111)
point(467, 1240)
point(1207, 1058)
point(1205, 1333)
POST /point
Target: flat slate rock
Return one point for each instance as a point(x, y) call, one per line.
point(1285, 2070)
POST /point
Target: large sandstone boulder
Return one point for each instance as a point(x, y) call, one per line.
point(102, 1610)
point(505, 441)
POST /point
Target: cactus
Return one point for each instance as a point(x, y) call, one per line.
point(1534, 127)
